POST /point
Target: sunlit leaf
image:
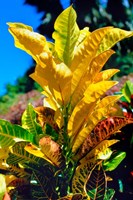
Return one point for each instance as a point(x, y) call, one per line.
point(105, 75)
point(66, 34)
point(86, 53)
point(96, 116)
point(29, 121)
point(112, 37)
point(31, 42)
point(20, 154)
point(127, 90)
point(2, 186)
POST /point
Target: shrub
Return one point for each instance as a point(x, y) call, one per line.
point(62, 149)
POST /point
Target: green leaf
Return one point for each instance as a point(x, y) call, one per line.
point(29, 122)
point(114, 161)
point(66, 35)
point(19, 154)
point(9, 132)
point(127, 90)
point(109, 194)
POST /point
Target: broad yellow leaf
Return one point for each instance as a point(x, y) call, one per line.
point(66, 34)
point(84, 108)
point(101, 110)
point(31, 42)
point(112, 37)
point(78, 117)
point(105, 75)
point(96, 90)
point(91, 73)
point(84, 55)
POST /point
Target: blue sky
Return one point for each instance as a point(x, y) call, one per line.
point(13, 61)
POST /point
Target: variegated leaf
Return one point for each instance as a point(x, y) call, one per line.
point(99, 150)
point(10, 132)
point(29, 122)
point(46, 115)
point(20, 154)
point(96, 116)
point(112, 37)
point(103, 131)
point(51, 150)
point(105, 75)
point(66, 34)
point(81, 176)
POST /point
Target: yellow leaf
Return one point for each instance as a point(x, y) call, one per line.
point(112, 37)
point(101, 110)
point(27, 40)
point(105, 75)
point(83, 110)
point(84, 55)
point(96, 90)
point(83, 34)
point(91, 73)
point(78, 117)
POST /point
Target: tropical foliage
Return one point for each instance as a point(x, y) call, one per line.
point(62, 150)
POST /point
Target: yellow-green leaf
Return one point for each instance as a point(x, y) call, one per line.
point(66, 34)
point(2, 186)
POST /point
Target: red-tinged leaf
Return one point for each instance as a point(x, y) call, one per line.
point(45, 115)
point(51, 150)
point(102, 131)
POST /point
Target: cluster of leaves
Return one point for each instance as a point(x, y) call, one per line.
point(93, 14)
point(62, 149)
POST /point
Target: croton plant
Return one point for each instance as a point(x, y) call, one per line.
point(62, 150)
